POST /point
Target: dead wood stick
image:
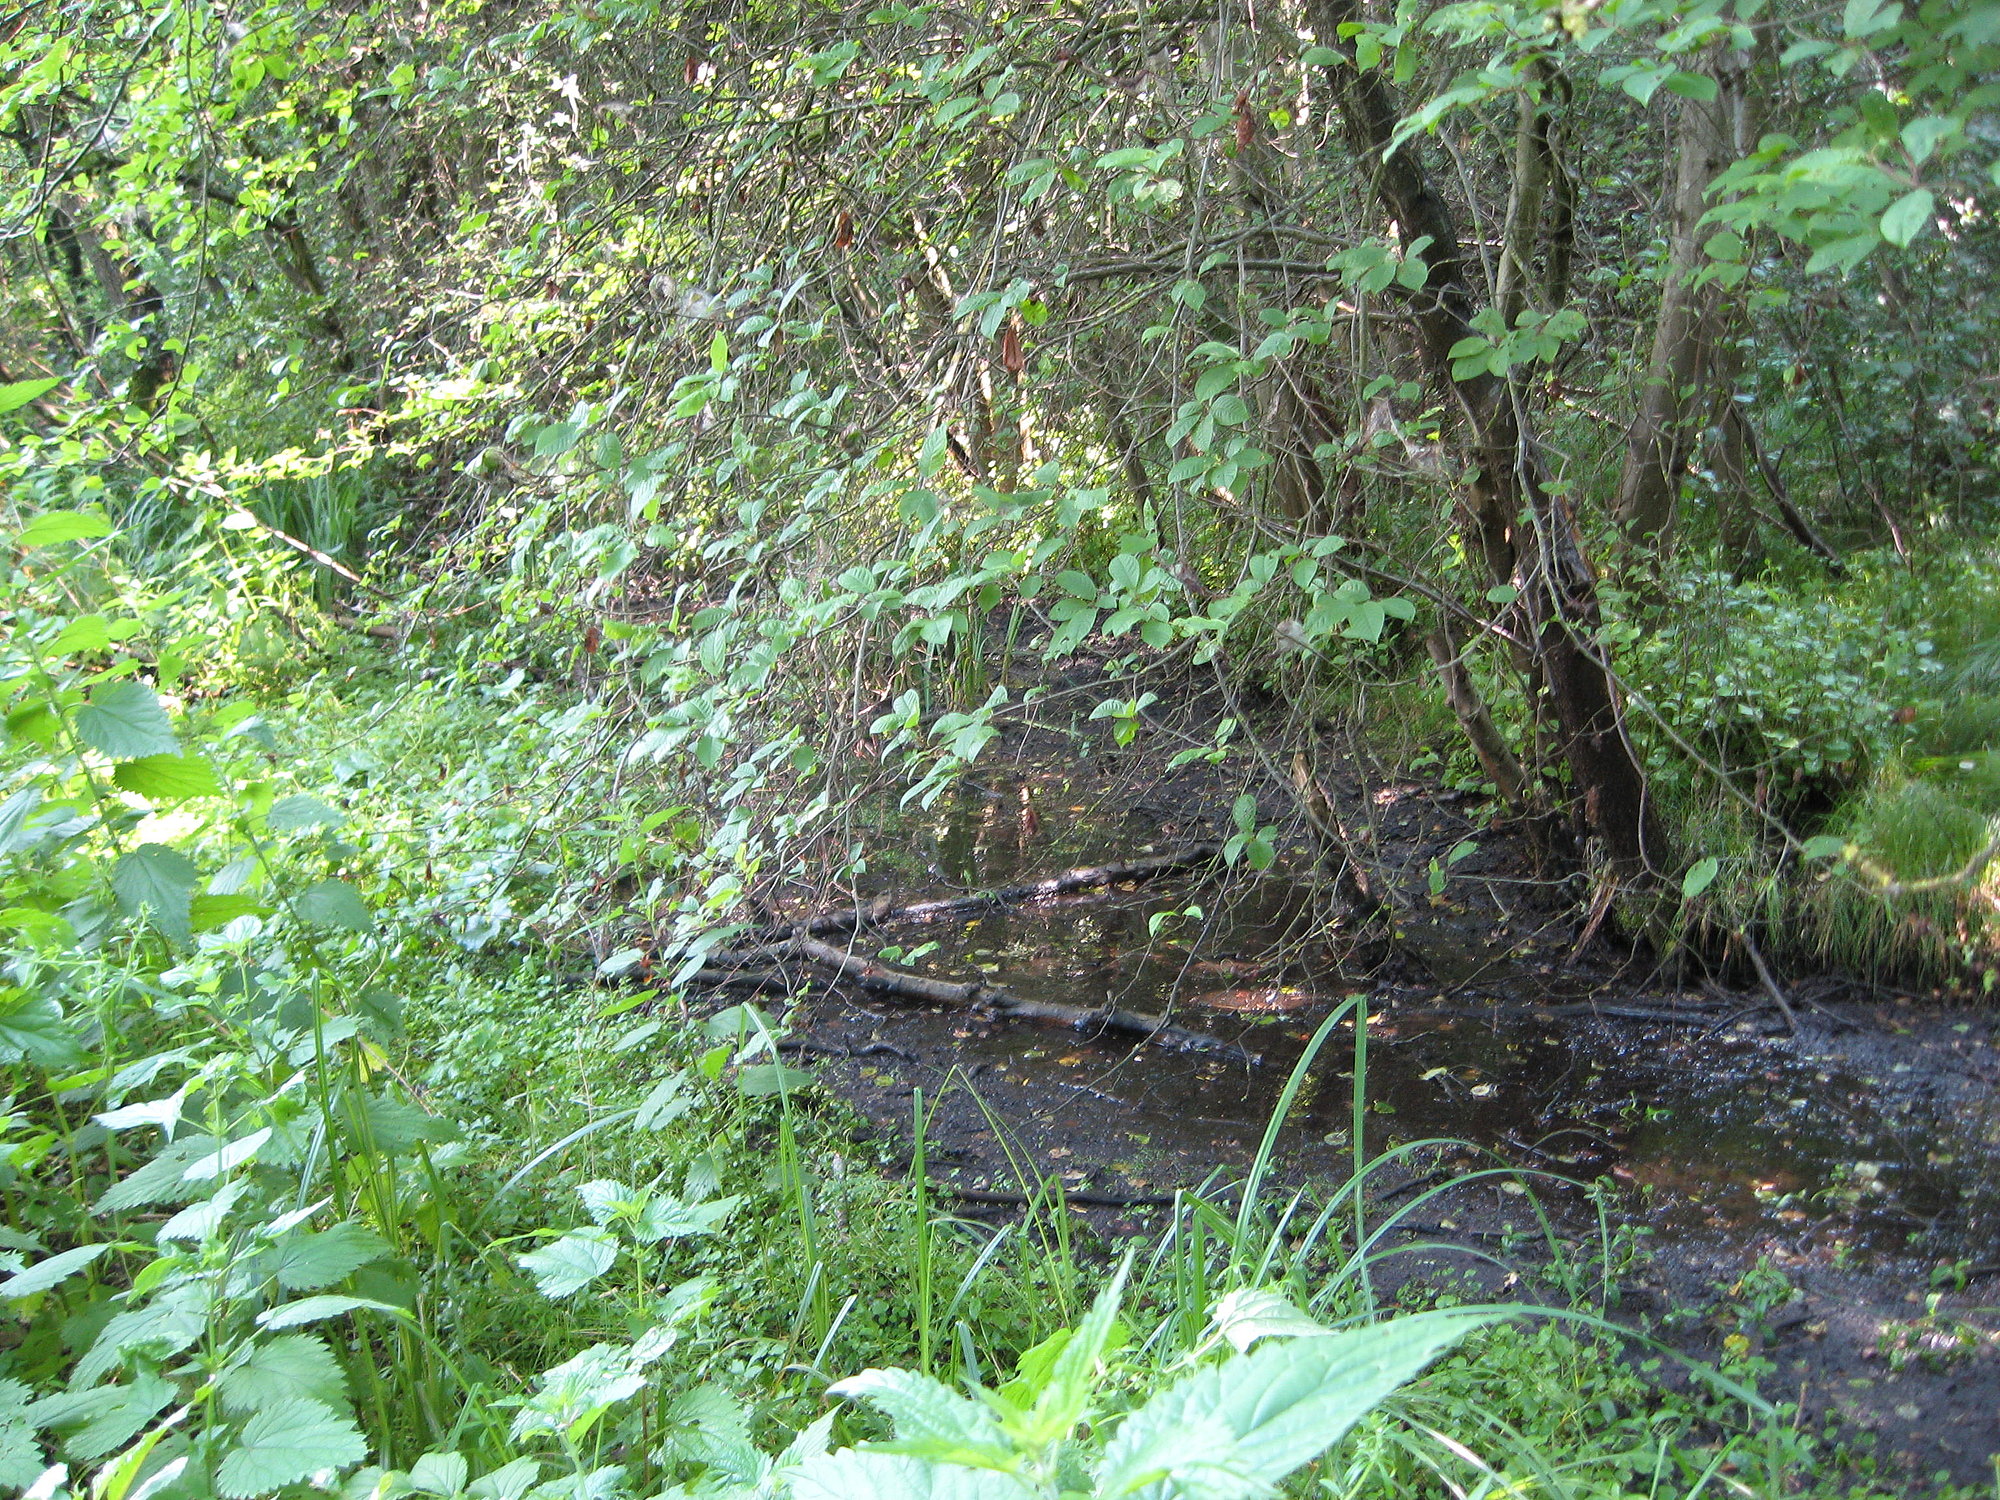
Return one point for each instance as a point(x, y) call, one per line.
point(1070, 1197)
point(875, 975)
point(1084, 878)
point(1770, 982)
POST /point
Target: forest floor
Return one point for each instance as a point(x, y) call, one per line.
point(1818, 1188)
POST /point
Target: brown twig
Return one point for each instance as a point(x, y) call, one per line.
point(874, 975)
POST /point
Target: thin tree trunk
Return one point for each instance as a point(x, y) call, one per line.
point(1709, 134)
point(1544, 562)
point(1502, 766)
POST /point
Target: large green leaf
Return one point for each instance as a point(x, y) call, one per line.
point(44, 1274)
point(160, 1180)
point(288, 1443)
point(932, 1420)
point(335, 903)
point(289, 1368)
point(305, 1262)
point(20, 1458)
point(124, 720)
point(570, 1264)
point(32, 1027)
point(848, 1475)
point(1268, 1412)
point(95, 1422)
point(169, 778)
point(13, 396)
point(159, 882)
point(1252, 1313)
point(15, 834)
point(291, 814)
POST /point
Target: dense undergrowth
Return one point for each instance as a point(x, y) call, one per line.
point(331, 1163)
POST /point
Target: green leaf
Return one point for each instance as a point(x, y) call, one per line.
point(160, 1180)
point(94, 1423)
point(291, 1367)
point(570, 1264)
point(319, 1309)
point(1907, 217)
point(168, 778)
point(17, 394)
point(664, 1103)
point(291, 814)
point(335, 903)
point(1843, 254)
point(1700, 876)
point(15, 834)
point(671, 1219)
point(764, 1080)
point(124, 720)
point(44, 1274)
point(440, 1473)
point(932, 1420)
point(1698, 86)
point(21, 1459)
point(1249, 1314)
point(1261, 1415)
point(1825, 846)
point(288, 1443)
point(305, 1262)
point(718, 354)
point(849, 1475)
point(32, 1027)
point(220, 1163)
point(159, 882)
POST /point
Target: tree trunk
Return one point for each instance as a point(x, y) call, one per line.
point(1692, 317)
point(1525, 534)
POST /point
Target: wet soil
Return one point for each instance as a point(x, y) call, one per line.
point(1805, 1189)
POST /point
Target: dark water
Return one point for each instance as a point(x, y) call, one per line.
point(1821, 1143)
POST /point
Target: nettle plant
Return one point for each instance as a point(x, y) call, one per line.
point(1235, 1422)
point(211, 1184)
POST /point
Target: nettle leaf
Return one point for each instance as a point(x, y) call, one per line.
point(1283, 1405)
point(159, 882)
point(292, 814)
point(96, 1422)
point(318, 1309)
point(335, 903)
point(32, 1028)
point(294, 1366)
point(440, 1473)
point(307, 1262)
point(570, 1264)
point(848, 1475)
point(948, 1426)
point(20, 1456)
point(168, 778)
point(159, 1180)
point(51, 1272)
point(1250, 1313)
point(673, 1219)
point(125, 721)
point(15, 833)
point(288, 1443)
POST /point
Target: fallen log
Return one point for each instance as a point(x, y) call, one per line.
point(884, 909)
point(993, 1000)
